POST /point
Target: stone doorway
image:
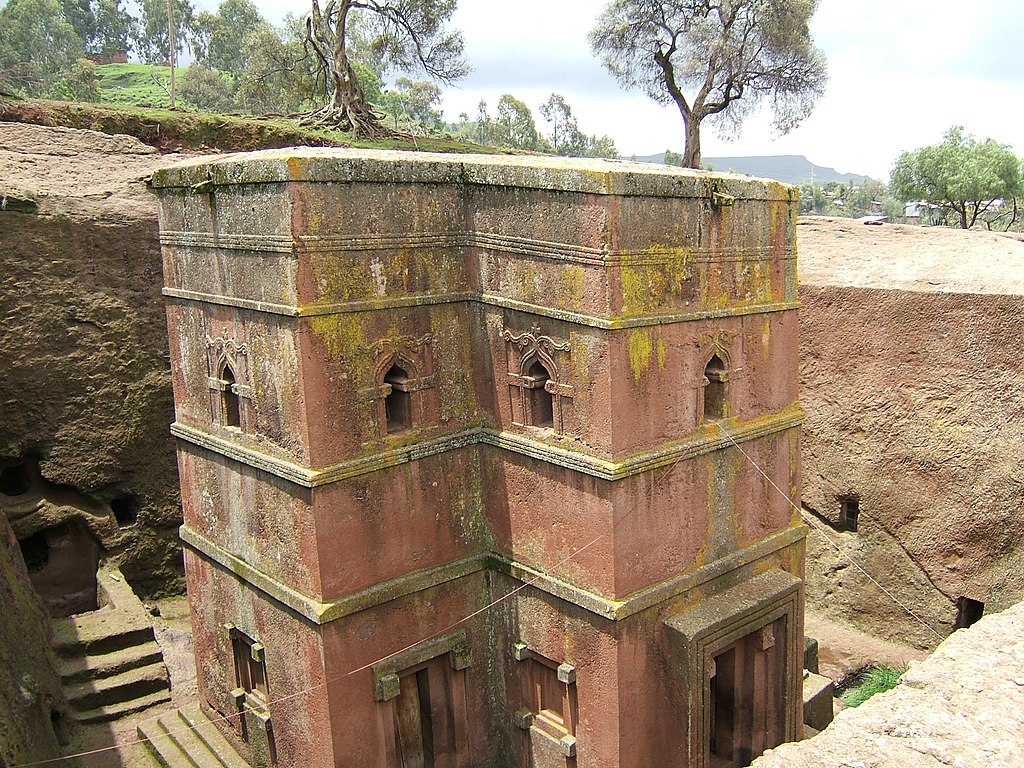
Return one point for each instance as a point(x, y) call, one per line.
point(746, 697)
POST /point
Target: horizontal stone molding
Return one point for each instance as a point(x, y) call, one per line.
point(488, 299)
point(321, 612)
point(270, 244)
point(709, 438)
point(509, 244)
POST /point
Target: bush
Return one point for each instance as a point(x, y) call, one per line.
point(207, 90)
point(80, 83)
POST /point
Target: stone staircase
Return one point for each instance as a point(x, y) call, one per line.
point(186, 738)
point(109, 661)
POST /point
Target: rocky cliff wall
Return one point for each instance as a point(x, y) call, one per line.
point(85, 451)
point(32, 707)
point(912, 384)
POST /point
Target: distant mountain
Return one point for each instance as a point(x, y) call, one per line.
point(792, 169)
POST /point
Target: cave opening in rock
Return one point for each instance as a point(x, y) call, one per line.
point(968, 612)
point(14, 480)
point(126, 509)
point(35, 551)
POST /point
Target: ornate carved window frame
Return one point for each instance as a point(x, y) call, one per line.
point(525, 351)
point(226, 353)
point(712, 346)
point(414, 355)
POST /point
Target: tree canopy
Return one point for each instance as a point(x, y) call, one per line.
point(37, 44)
point(410, 35)
point(715, 59)
point(967, 175)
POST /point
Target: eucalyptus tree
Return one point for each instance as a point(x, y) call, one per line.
point(715, 60)
point(410, 35)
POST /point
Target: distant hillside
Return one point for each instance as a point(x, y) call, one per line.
point(792, 169)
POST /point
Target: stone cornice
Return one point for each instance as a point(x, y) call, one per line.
point(705, 440)
point(319, 612)
point(487, 299)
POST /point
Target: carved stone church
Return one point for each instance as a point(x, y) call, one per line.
point(487, 461)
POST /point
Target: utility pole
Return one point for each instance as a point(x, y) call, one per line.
point(170, 38)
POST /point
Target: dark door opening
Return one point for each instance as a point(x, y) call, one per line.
point(746, 697)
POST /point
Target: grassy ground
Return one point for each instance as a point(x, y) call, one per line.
point(139, 85)
point(179, 130)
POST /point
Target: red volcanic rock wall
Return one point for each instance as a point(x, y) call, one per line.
point(910, 379)
point(85, 455)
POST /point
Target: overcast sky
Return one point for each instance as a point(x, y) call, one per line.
point(900, 74)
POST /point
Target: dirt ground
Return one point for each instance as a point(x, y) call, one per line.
point(843, 650)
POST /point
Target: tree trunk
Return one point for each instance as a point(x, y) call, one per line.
point(349, 109)
point(691, 154)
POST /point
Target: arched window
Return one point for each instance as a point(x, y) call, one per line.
point(398, 402)
point(542, 413)
point(230, 405)
point(714, 388)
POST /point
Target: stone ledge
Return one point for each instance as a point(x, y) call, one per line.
point(322, 612)
point(580, 175)
point(487, 299)
point(706, 440)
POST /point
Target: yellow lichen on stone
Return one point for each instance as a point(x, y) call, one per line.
point(649, 287)
point(640, 350)
point(570, 287)
point(342, 335)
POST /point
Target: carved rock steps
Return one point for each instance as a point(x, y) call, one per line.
point(187, 738)
point(110, 665)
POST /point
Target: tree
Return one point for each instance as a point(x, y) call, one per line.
point(420, 99)
point(151, 41)
point(966, 175)
point(37, 44)
point(514, 125)
point(219, 39)
point(410, 35)
point(207, 90)
point(715, 59)
point(112, 29)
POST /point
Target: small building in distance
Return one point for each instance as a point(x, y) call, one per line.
point(487, 461)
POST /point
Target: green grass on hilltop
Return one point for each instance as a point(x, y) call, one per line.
point(180, 130)
point(139, 85)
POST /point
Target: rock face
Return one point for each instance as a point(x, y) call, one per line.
point(32, 706)
point(86, 460)
point(911, 382)
point(962, 706)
